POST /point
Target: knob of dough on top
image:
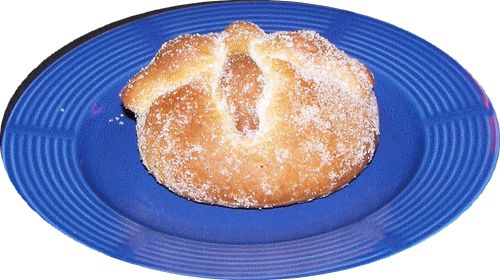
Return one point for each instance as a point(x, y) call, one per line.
point(247, 119)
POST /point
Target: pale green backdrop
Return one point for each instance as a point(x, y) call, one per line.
point(32, 30)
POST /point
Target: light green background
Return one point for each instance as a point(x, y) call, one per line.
point(32, 249)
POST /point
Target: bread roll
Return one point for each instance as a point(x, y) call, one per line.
point(247, 119)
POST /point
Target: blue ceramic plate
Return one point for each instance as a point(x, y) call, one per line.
point(70, 150)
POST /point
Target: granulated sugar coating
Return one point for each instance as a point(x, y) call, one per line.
point(247, 119)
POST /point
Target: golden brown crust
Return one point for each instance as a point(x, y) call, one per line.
point(177, 61)
point(254, 120)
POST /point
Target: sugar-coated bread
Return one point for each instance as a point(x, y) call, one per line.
point(247, 119)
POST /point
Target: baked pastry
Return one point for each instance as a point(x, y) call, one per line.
point(247, 119)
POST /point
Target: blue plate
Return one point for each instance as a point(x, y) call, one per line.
point(70, 150)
